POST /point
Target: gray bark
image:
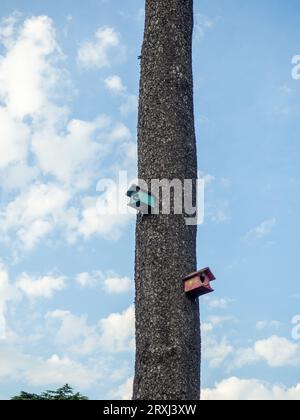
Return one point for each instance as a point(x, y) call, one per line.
point(167, 321)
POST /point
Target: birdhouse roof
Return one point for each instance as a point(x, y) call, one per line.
point(206, 270)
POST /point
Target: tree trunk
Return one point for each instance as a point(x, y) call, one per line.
point(167, 321)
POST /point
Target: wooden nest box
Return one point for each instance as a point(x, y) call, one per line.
point(140, 200)
point(198, 283)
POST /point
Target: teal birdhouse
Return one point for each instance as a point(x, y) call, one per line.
point(142, 201)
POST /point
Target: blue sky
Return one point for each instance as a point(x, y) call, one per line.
point(68, 92)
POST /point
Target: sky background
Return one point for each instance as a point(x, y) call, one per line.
point(69, 79)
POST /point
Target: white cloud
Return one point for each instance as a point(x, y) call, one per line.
point(213, 322)
point(114, 284)
point(114, 334)
point(87, 279)
point(74, 333)
point(222, 303)
point(42, 287)
point(60, 370)
point(40, 372)
point(7, 29)
point(18, 176)
point(278, 351)
point(124, 391)
point(71, 156)
point(261, 231)
point(244, 357)
point(216, 320)
point(7, 293)
point(34, 213)
point(68, 151)
point(31, 235)
point(14, 139)
point(234, 389)
point(115, 84)
point(206, 328)
point(54, 370)
point(117, 331)
point(100, 216)
point(110, 282)
point(26, 92)
point(98, 53)
point(275, 351)
point(130, 101)
point(120, 132)
point(216, 351)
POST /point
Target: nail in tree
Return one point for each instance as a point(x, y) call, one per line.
point(167, 320)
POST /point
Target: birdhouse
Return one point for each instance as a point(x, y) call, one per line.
point(198, 284)
point(141, 200)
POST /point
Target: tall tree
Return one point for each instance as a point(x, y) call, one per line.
point(64, 393)
point(167, 321)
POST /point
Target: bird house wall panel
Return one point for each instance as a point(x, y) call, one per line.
point(192, 284)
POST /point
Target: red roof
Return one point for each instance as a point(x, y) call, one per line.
point(206, 270)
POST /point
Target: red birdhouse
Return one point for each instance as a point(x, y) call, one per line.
point(198, 284)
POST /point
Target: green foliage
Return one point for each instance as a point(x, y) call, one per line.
point(64, 393)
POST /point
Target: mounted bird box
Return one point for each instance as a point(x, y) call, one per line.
point(141, 200)
point(198, 284)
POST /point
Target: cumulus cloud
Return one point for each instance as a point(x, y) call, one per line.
point(114, 284)
point(129, 101)
point(74, 333)
point(214, 321)
point(34, 213)
point(278, 351)
point(115, 84)
point(124, 391)
point(41, 287)
point(59, 370)
point(99, 216)
point(110, 282)
point(55, 370)
point(27, 92)
point(216, 351)
point(275, 351)
point(234, 389)
point(7, 294)
point(88, 279)
point(39, 138)
point(117, 331)
point(71, 156)
point(14, 139)
point(98, 53)
point(114, 334)
point(18, 176)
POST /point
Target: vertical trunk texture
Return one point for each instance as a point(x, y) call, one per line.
point(167, 321)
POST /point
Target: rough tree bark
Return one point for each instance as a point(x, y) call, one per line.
point(167, 321)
